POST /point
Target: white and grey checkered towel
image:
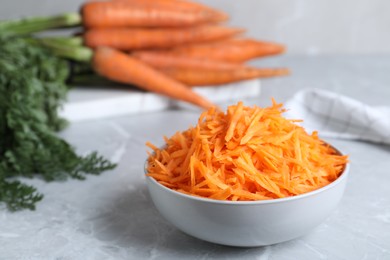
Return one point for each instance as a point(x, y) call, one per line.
point(337, 116)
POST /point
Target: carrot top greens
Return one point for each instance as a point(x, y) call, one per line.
point(32, 88)
point(247, 153)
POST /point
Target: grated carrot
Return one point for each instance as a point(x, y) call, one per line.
point(247, 153)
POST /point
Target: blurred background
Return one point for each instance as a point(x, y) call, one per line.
point(305, 26)
point(340, 46)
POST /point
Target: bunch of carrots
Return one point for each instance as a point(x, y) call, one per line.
point(163, 46)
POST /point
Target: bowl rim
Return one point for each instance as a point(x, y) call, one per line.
point(334, 183)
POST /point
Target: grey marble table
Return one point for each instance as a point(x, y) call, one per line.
point(112, 217)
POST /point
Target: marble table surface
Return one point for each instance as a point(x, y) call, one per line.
point(111, 216)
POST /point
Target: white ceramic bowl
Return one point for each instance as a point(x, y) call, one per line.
point(247, 223)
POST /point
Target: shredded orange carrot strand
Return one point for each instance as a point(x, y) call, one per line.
point(247, 153)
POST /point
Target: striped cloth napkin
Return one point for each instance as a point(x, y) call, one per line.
point(337, 116)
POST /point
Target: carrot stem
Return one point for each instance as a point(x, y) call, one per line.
point(40, 23)
point(68, 41)
point(68, 48)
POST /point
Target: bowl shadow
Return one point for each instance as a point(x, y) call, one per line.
point(132, 223)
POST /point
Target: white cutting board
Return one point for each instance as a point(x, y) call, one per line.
point(86, 103)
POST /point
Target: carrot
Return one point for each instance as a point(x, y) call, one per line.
point(188, 5)
point(120, 67)
point(246, 153)
point(136, 38)
point(213, 76)
point(232, 50)
point(106, 14)
point(162, 60)
point(181, 5)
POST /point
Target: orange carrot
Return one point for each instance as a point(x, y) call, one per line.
point(163, 60)
point(181, 5)
point(120, 67)
point(213, 76)
point(247, 153)
point(136, 38)
point(106, 14)
point(172, 3)
point(177, 3)
point(232, 50)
